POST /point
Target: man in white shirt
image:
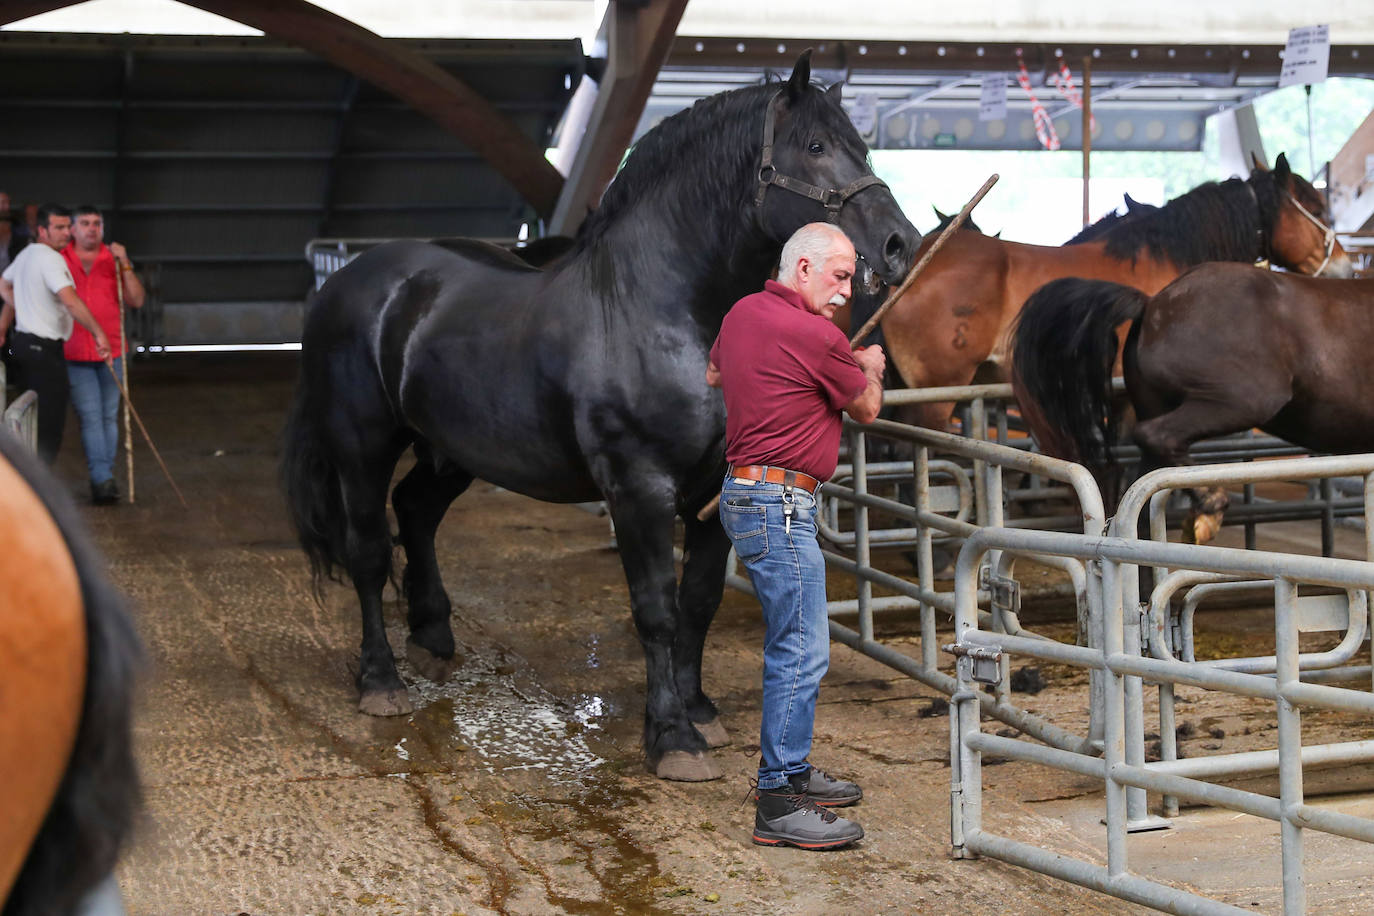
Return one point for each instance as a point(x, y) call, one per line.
point(40, 299)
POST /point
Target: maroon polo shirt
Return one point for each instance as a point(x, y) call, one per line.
point(787, 374)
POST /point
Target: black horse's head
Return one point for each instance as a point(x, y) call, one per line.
point(817, 155)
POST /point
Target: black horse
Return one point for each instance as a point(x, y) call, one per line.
point(70, 786)
point(581, 382)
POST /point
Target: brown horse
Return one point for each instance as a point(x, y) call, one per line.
point(1222, 349)
point(67, 659)
point(958, 316)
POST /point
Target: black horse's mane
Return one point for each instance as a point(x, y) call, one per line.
point(706, 156)
point(94, 810)
point(1216, 221)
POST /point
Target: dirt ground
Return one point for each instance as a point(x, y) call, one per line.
point(519, 787)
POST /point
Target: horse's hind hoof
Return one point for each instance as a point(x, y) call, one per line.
point(429, 665)
point(714, 733)
point(688, 766)
point(386, 703)
point(1205, 527)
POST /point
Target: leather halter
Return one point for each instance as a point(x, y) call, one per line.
point(1265, 254)
point(830, 198)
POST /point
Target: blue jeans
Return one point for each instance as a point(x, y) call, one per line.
point(96, 400)
point(788, 573)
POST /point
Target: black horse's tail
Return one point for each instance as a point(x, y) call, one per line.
point(1063, 350)
point(96, 802)
point(314, 496)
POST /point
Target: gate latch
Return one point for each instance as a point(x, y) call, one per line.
point(978, 663)
point(1004, 594)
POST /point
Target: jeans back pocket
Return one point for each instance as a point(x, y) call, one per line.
point(747, 527)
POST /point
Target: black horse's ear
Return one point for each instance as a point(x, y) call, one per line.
point(1257, 162)
point(938, 214)
point(1281, 167)
point(800, 80)
point(1131, 203)
point(836, 92)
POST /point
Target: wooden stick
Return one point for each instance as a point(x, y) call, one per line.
point(109, 364)
point(710, 508)
point(920, 265)
point(124, 370)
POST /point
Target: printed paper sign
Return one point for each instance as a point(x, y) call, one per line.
point(1305, 56)
point(992, 101)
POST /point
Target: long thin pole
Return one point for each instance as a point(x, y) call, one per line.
point(124, 370)
point(109, 364)
point(1087, 133)
point(954, 224)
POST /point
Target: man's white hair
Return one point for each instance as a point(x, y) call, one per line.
point(814, 241)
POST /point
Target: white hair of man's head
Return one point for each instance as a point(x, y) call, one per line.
point(814, 242)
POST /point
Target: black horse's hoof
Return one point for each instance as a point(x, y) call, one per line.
point(687, 766)
point(394, 702)
point(714, 733)
point(429, 665)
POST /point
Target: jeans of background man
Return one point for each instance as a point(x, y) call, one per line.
point(95, 397)
point(788, 573)
point(41, 367)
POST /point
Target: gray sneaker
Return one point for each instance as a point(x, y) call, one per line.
point(827, 791)
point(786, 817)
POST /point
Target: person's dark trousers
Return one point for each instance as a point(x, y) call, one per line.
point(41, 367)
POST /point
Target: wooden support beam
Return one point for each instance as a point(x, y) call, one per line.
point(406, 74)
point(639, 37)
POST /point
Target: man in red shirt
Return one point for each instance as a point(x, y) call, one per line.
point(787, 374)
point(95, 396)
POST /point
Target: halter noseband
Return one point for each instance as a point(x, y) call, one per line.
point(1329, 233)
point(830, 198)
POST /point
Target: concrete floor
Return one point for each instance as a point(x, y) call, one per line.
point(518, 787)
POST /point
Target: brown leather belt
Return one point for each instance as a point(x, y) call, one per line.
point(770, 474)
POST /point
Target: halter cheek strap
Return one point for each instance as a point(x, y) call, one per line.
point(830, 198)
point(1329, 234)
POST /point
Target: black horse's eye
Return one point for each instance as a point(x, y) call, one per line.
point(815, 148)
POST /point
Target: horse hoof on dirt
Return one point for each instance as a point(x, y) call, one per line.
point(688, 766)
point(386, 703)
point(429, 665)
point(714, 733)
point(1205, 527)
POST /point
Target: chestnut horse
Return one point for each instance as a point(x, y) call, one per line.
point(958, 316)
point(1222, 349)
point(67, 660)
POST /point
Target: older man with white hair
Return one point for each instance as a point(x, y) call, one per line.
point(787, 374)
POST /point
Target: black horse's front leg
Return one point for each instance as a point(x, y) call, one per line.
point(705, 551)
point(643, 514)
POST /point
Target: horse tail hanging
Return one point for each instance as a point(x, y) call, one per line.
point(93, 810)
point(314, 497)
point(1063, 350)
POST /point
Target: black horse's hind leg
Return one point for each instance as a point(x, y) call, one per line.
point(703, 581)
point(642, 509)
point(420, 500)
point(381, 690)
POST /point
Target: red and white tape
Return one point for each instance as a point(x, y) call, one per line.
point(1063, 81)
point(1044, 127)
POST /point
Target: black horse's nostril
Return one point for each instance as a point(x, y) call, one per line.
point(897, 254)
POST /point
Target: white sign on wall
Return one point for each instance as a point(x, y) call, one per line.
point(1306, 55)
point(992, 100)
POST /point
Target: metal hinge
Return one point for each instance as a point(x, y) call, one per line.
point(1004, 592)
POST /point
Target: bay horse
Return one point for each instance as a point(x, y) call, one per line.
point(580, 382)
point(68, 658)
point(957, 319)
point(1222, 349)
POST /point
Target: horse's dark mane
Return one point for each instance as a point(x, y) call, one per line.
point(706, 157)
point(1095, 231)
point(95, 804)
point(1216, 221)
